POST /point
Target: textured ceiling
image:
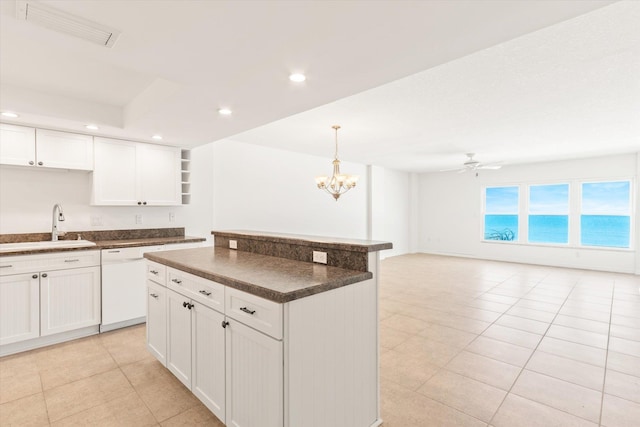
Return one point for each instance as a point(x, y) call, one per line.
point(513, 81)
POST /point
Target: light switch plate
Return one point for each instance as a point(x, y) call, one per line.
point(233, 244)
point(320, 257)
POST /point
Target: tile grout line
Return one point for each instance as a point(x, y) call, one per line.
point(531, 355)
point(606, 356)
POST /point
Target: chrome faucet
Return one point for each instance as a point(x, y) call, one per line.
point(54, 225)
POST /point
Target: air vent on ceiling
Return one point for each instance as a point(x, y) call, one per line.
point(63, 22)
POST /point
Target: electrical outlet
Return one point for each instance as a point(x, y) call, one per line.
point(172, 217)
point(96, 221)
point(320, 257)
point(233, 244)
point(138, 218)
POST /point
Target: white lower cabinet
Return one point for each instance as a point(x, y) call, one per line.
point(179, 337)
point(254, 378)
point(311, 362)
point(19, 307)
point(43, 301)
point(208, 358)
point(69, 299)
point(195, 349)
point(157, 321)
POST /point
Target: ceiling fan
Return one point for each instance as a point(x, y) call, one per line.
point(473, 165)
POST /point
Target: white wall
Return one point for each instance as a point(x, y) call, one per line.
point(450, 220)
point(390, 209)
point(258, 188)
point(27, 196)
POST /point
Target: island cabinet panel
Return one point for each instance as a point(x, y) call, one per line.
point(179, 337)
point(208, 362)
point(331, 342)
point(157, 321)
point(254, 378)
point(308, 362)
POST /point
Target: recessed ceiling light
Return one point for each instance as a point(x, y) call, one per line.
point(92, 127)
point(157, 137)
point(297, 77)
point(10, 114)
point(224, 111)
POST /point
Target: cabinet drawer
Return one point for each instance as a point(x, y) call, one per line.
point(204, 291)
point(253, 311)
point(48, 262)
point(157, 273)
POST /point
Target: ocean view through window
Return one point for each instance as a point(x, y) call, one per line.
point(501, 213)
point(548, 214)
point(605, 217)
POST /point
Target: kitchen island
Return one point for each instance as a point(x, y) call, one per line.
point(265, 337)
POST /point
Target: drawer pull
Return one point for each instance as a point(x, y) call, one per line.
point(6, 266)
point(153, 272)
point(113, 252)
point(176, 281)
point(246, 310)
point(203, 292)
point(71, 260)
point(154, 295)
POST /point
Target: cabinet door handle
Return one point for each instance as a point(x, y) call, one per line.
point(35, 276)
point(153, 272)
point(154, 295)
point(225, 323)
point(31, 162)
point(184, 304)
point(246, 310)
point(44, 274)
point(71, 260)
point(176, 281)
point(40, 163)
point(6, 266)
point(203, 292)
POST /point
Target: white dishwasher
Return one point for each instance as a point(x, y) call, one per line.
point(124, 295)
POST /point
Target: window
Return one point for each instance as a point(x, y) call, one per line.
point(501, 213)
point(549, 213)
point(605, 217)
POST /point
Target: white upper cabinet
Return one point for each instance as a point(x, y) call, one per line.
point(64, 150)
point(17, 145)
point(129, 173)
point(24, 146)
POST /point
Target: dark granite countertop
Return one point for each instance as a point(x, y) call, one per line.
point(303, 240)
point(276, 279)
point(107, 239)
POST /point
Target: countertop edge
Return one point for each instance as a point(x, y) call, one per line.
point(258, 290)
point(109, 244)
point(316, 241)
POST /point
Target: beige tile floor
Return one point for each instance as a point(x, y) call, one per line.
point(463, 343)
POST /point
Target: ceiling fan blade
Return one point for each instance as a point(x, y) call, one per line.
point(453, 169)
point(492, 166)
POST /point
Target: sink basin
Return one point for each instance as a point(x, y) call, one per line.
point(29, 246)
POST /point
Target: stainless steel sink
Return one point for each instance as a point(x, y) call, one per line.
point(28, 246)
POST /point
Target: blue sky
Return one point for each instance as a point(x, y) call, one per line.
point(549, 199)
point(502, 200)
point(606, 198)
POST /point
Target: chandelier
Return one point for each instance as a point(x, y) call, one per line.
point(338, 183)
